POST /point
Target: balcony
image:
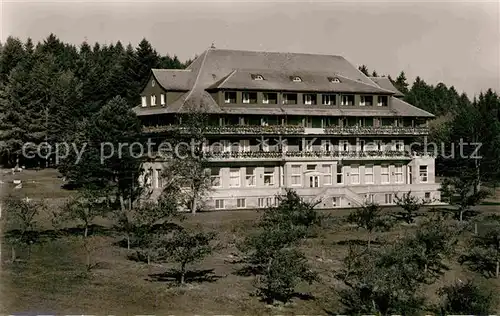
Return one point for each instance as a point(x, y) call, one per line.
point(230, 130)
point(307, 155)
point(372, 130)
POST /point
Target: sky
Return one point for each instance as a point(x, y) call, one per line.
point(457, 43)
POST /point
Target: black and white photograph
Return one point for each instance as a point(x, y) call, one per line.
point(239, 157)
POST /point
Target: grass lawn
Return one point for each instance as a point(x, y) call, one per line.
point(54, 279)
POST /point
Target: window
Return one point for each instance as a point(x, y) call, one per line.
point(340, 179)
point(269, 98)
point(423, 173)
point(368, 174)
point(257, 77)
point(249, 97)
point(311, 167)
point(326, 145)
point(388, 198)
point(427, 196)
point(144, 102)
point(384, 174)
point(309, 99)
point(215, 177)
point(245, 145)
point(344, 145)
point(398, 173)
point(219, 204)
point(336, 201)
point(382, 100)
point(234, 177)
point(241, 203)
point(327, 177)
point(314, 181)
point(355, 174)
point(162, 99)
point(347, 99)
point(366, 100)
point(400, 145)
point(153, 83)
point(296, 176)
point(268, 176)
point(378, 145)
point(334, 80)
point(369, 198)
point(269, 201)
point(229, 97)
point(296, 79)
point(250, 177)
point(261, 202)
point(153, 100)
point(329, 99)
point(289, 98)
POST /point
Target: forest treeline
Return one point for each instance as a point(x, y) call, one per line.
point(51, 90)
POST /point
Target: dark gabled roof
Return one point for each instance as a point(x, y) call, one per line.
point(386, 84)
point(174, 79)
point(233, 69)
point(403, 108)
point(280, 81)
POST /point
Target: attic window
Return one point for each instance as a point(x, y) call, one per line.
point(257, 77)
point(296, 79)
point(152, 83)
point(334, 80)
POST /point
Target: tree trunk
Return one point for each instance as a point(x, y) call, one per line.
point(128, 242)
point(475, 228)
point(183, 273)
point(149, 259)
point(193, 205)
point(369, 240)
point(86, 231)
point(122, 203)
point(497, 272)
point(13, 253)
point(461, 215)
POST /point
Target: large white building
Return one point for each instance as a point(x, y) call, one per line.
point(313, 123)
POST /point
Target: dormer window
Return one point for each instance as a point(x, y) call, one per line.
point(152, 83)
point(334, 80)
point(296, 79)
point(257, 77)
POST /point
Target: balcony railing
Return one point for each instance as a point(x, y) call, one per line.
point(372, 130)
point(235, 129)
point(294, 130)
point(308, 154)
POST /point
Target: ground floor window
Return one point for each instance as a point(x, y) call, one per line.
point(369, 198)
point(240, 203)
point(296, 177)
point(355, 174)
point(388, 198)
point(269, 176)
point(250, 176)
point(427, 196)
point(219, 204)
point(261, 202)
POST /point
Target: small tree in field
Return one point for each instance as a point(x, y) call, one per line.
point(484, 252)
point(410, 206)
point(432, 243)
point(85, 208)
point(284, 271)
point(184, 248)
point(21, 215)
point(370, 218)
point(466, 298)
point(147, 218)
point(463, 194)
point(271, 249)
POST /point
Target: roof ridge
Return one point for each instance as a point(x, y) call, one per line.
point(273, 52)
